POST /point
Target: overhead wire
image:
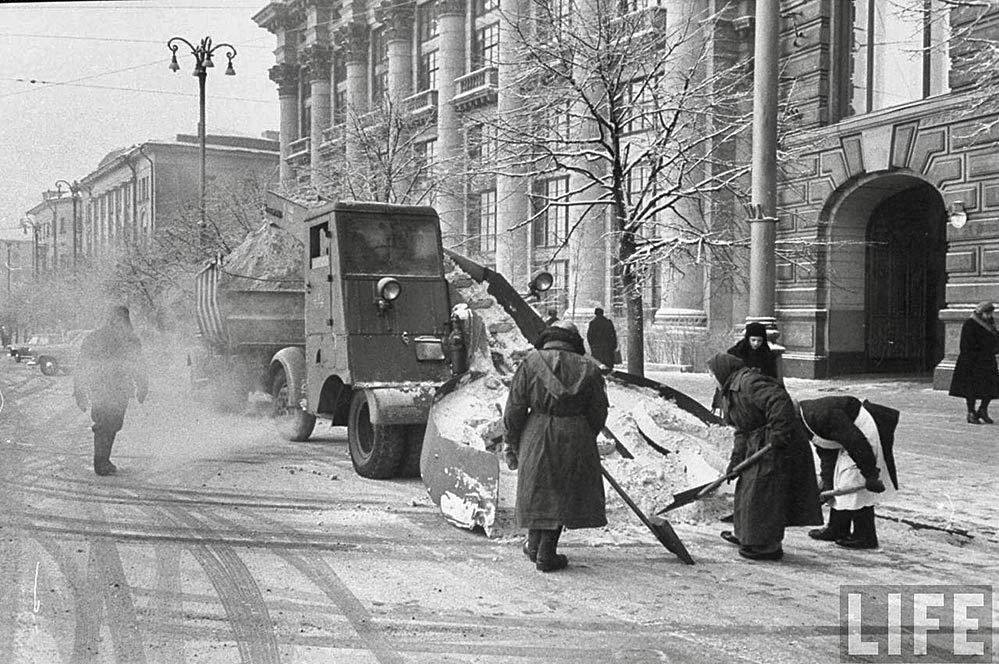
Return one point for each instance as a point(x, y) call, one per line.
point(125, 89)
point(103, 39)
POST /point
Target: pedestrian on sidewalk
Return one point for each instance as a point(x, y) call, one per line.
point(602, 338)
point(556, 407)
point(854, 441)
point(109, 371)
point(779, 490)
point(976, 376)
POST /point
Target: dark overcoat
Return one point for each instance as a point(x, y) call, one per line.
point(975, 374)
point(110, 367)
point(780, 490)
point(602, 338)
point(556, 407)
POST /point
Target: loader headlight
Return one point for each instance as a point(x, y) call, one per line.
point(388, 288)
point(540, 282)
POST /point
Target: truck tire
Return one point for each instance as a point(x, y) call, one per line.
point(292, 422)
point(376, 450)
point(410, 466)
point(48, 365)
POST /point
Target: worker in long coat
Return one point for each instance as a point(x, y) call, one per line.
point(853, 440)
point(110, 369)
point(556, 407)
point(976, 376)
point(779, 489)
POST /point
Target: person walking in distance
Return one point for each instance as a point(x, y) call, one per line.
point(556, 406)
point(109, 371)
point(976, 376)
point(854, 441)
point(779, 488)
point(602, 338)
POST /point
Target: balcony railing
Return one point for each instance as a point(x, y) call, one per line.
point(421, 102)
point(476, 88)
point(334, 139)
point(299, 150)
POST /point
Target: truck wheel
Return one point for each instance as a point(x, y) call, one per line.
point(375, 449)
point(410, 466)
point(292, 422)
point(48, 366)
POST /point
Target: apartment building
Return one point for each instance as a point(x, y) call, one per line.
point(895, 182)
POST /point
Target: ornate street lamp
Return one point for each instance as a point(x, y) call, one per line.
point(202, 62)
point(74, 190)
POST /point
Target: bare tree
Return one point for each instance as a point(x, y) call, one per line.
point(380, 155)
point(640, 107)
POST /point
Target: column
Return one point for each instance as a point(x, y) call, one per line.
point(397, 21)
point(513, 204)
point(286, 77)
point(451, 61)
point(352, 44)
point(316, 58)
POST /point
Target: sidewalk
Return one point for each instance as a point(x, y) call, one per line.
point(948, 469)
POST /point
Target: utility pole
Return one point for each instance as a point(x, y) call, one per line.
point(202, 62)
point(763, 207)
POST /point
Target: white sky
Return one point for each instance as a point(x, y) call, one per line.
point(51, 132)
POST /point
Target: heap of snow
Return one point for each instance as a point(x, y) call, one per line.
point(269, 259)
point(689, 452)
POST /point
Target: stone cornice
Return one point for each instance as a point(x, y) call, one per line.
point(396, 19)
point(317, 58)
point(286, 76)
point(352, 40)
point(279, 17)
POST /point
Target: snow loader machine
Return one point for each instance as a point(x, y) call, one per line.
point(366, 343)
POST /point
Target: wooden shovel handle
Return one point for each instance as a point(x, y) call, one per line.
point(832, 493)
point(735, 472)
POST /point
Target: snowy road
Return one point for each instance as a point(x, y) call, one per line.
point(218, 542)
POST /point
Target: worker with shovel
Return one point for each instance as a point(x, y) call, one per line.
point(556, 407)
point(778, 489)
point(853, 440)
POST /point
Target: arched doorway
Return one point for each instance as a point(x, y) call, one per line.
point(905, 275)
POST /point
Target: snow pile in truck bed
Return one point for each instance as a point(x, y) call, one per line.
point(692, 453)
point(270, 258)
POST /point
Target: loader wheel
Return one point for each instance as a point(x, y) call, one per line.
point(375, 449)
point(48, 366)
point(292, 422)
point(410, 466)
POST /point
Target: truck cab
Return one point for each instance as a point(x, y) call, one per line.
point(376, 316)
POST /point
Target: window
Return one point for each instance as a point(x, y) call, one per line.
point(423, 157)
point(485, 51)
point(379, 65)
point(551, 226)
point(894, 55)
point(481, 143)
point(482, 221)
point(427, 72)
point(639, 106)
point(426, 21)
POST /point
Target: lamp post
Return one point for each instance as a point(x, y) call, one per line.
point(74, 190)
point(202, 62)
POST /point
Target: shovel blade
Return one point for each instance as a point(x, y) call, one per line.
point(664, 532)
point(685, 497)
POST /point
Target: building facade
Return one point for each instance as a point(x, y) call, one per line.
point(136, 190)
point(50, 226)
point(895, 183)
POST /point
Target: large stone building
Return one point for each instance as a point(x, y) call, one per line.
point(49, 224)
point(135, 190)
point(895, 186)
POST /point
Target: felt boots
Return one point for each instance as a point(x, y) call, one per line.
point(548, 559)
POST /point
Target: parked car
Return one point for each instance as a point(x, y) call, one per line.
point(56, 353)
point(26, 352)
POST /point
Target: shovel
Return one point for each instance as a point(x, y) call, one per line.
point(826, 496)
point(688, 496)
point(659, 526)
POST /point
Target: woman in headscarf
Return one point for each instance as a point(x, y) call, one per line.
point(779, 490)
point(976, 376)
point(755, 352)
point(556, 407)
